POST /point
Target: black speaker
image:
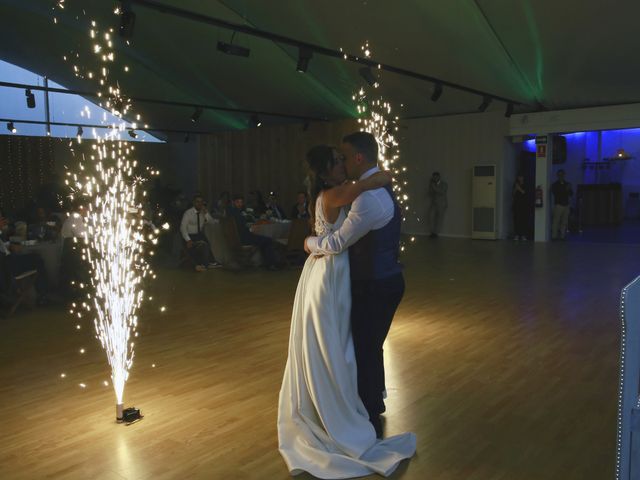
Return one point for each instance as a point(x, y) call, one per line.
point(559, 154)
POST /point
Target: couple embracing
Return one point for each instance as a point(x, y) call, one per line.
point(333, 390)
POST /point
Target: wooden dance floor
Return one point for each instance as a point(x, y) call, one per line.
point(503, 359)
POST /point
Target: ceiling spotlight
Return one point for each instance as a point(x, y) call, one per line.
point(254, 121)
point(31, 98)
point(80, 131)
point(127, 20)
point(11, 127)
point(133, 134)
point(369, 77)
point(485, 103)
point(304, 55)
point(437, 92)
point(196, 114)
point(231, 49)
point(509, 111)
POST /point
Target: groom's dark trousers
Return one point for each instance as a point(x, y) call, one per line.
point(373, 306)
point(377, 286)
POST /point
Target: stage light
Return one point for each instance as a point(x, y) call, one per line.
point(127, 20)
point(31, 98)
point(509, 111)
point(230, 49)
point(304, 56)
point(133, 134)
point(196, 114)
point(80, 132)
point(254, 121)
point(485, 103)
point(369, 77)
point(11, 127)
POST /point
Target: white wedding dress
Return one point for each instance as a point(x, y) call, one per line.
point(323, 427)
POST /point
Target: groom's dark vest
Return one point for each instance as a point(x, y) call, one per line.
point(375, 256)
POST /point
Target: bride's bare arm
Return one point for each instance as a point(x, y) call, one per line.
point(347, 192)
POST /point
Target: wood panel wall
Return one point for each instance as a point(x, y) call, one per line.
point(265, 158)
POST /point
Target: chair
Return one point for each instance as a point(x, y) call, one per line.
point(17, 288)
point(294, 252)
point(243, 253)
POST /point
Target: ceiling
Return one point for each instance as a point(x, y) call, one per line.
point(543, 53)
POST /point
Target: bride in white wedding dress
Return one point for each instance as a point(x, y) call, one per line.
point(323, 427)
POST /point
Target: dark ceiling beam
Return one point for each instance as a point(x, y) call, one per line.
point(256, 32)
point(88, 125)
point(166, 102)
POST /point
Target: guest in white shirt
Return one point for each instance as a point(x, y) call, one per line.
point(74, 271)
point(192, 231)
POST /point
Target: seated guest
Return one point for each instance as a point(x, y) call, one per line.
point(301, 208)
point(224, 200)
point(276, 210)
point(43, 226)
point(265, 244)
point(74, 271)
point(192, 231)
point(18, 263)
point(256, 203)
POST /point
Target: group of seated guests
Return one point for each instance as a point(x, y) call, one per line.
point(41, 226)
point(194, 220)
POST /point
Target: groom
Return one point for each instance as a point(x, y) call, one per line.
point(371, 232)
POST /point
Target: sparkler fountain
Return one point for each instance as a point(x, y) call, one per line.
point(117, 235)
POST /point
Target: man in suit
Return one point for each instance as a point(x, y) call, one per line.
point(371, 232)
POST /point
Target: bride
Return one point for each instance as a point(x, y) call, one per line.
point(323, 427)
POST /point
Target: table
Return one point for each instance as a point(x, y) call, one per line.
point(273, 230)
point(51, 254)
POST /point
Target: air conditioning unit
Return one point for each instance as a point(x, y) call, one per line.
point(483, 202)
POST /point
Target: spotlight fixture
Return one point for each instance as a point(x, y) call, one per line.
point(369, 77)
point(127, 20)
point(80, 131)
point(254, 121)
point(133, 134)
point(196, 114)
point(304, 55)
point(11, 127)
point(437, 92)
point(509, 111)
point(231, 49)
point(485, 103)
point(31, 98)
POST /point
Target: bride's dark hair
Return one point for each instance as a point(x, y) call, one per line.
point(320, 160)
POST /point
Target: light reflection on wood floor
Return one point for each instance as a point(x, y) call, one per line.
point(502, 358)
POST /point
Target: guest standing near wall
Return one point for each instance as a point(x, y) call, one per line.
point(438, 203)
point(562, 193)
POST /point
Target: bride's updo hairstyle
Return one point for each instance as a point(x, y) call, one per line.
point(320, 161)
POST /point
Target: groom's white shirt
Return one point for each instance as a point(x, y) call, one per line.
point(372, 210)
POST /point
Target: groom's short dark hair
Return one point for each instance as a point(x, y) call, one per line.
point(364, 143)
